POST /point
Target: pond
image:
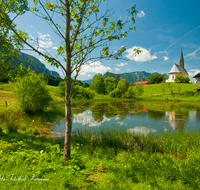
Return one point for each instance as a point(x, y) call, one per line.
point(134, 116)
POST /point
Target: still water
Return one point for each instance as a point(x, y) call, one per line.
point(139, 117)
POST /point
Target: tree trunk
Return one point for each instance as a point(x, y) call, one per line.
point(67, 143)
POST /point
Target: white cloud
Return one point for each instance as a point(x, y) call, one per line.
point(162, 52)
point(193, 54)
point(193, 72)
point(44, 41)
point(122, 64)
point(165, 58)
point(117, 69)
point(44, 36)
point(121, 123)
point(41, 60)
point(55, 47)
point(89, 75)
point(94, 67)
point(86, 118)
point(145, 54)
point(141, 14)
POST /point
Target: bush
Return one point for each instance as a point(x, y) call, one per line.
point(130, 93)
point(11, 126)
point(156, 78)
point(139, 89)
point(180, 78)
point(99, 87)
point(82, 93)
point(31, 91)
point(115, 93)
point(61, 89)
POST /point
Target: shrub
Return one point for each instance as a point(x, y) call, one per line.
point(31, 91)
point(82, 93)
point(156, 78)
point(130, 93)
point(99, 87)
point(61, 88)
point(139, 89)
point(180, 78)
point(11, 126)
point(115, 93)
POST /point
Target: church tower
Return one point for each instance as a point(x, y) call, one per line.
point(181, 62)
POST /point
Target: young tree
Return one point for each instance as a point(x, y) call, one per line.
point(95, 78)
point(110, 84)
point(9, 42)
point(85, 30)
point(122, 85)
point(99, 87)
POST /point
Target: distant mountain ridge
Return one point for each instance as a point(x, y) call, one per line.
point(34, 64)
point(130, 77)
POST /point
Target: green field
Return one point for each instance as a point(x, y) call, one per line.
point(112, 159)
point(171, 91)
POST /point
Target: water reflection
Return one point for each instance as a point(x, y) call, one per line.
point(138, 117)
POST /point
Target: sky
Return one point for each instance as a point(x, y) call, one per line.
point(162, 27)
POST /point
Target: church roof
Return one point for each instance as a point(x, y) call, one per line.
point(177, 69)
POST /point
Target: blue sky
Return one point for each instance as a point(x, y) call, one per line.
point(162, 27)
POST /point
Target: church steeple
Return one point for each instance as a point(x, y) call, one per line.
point(181, 62)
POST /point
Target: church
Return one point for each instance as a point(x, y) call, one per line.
point(178, 69)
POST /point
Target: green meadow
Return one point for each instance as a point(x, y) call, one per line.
point(30, 158)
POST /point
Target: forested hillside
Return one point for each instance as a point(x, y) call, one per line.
point(34, 64)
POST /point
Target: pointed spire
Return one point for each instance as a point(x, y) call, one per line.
point(181, 62)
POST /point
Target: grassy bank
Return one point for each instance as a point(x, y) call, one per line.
point(171, 91)
point(109, 160)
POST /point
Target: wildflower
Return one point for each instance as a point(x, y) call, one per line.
point(77, 147)
point(33, 121)
point(41, 151)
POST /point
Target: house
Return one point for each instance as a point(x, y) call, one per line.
point(197, 76)
point(141, 82)
point(178, 69)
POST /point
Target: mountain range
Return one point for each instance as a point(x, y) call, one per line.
point(34, 64)
point(130, 77)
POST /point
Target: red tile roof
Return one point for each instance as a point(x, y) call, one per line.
point(141, 82)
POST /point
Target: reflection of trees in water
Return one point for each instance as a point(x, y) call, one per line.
point(80, 107)
point(178, 112)
point(156, 115)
